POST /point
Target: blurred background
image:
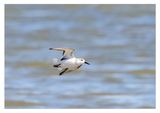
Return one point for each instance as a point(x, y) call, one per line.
point(118, 41)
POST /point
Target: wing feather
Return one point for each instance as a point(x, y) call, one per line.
point(67, 52)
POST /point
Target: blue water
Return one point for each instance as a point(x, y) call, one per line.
point(118, 41)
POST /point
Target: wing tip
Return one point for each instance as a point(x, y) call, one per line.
point(61, 48)
point(50, 48)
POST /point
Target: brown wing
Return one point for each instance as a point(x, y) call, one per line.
point(67, 52)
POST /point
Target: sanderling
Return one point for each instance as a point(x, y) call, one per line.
point(68, 62)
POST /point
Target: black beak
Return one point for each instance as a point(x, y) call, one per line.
point(87, 63)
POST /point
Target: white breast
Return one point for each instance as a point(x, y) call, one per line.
point(70, 63)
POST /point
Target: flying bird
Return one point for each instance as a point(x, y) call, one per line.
point(68, 62)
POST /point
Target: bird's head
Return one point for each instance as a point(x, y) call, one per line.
point(82, 61)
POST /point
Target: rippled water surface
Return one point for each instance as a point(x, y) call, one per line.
point(118, 41)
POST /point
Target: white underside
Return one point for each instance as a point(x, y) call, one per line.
point(71, 63)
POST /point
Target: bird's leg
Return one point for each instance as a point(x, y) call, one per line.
point(57, 65)
point(79, 66)
point(63, 71)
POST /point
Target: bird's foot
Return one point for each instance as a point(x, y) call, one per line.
point(57, 65)
point(63, 71)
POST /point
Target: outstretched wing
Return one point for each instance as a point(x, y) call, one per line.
point(67, 52)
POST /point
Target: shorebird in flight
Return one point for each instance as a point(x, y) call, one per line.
point(68, 62)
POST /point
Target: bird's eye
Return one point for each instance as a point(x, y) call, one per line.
point(81, 59)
